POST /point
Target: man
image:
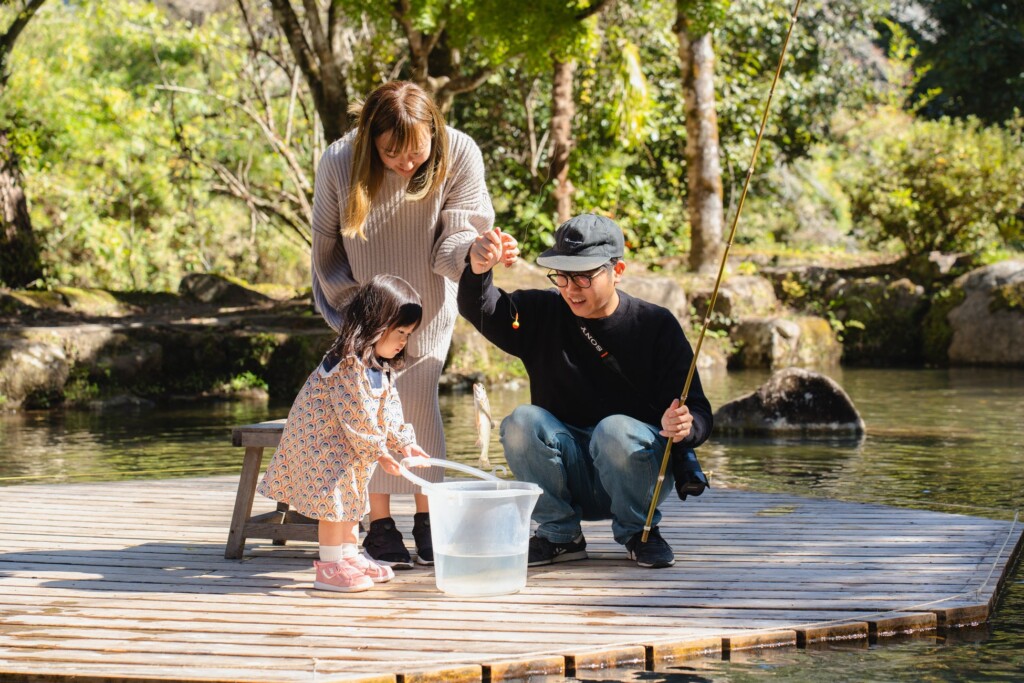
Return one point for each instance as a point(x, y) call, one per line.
point(606, 372)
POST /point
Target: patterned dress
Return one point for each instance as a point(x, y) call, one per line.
point(337, 427)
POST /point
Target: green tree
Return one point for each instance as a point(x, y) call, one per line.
point(20, 262)
point(973, 52)
point(121, 198)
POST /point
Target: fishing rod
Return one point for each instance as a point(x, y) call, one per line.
point(665, 458)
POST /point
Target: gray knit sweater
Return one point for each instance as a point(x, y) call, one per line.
point(423, 241)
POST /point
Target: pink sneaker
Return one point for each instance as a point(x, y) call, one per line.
point(377, 573)
point(341, 577)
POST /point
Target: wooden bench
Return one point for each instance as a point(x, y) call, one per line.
point(282, 524)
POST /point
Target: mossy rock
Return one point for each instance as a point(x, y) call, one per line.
point(881, 320)
point(291, 362)
point(937, 333)
point(93, 302)
point(143, 301)
point(1008, 297)
point(22, 300)
point(194, 361)
point(232, 291)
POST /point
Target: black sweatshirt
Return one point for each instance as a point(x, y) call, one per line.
point(568, 378)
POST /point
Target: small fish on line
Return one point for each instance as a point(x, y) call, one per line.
point(484, 422)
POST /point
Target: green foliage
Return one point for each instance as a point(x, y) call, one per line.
point(114, 194)
point(702, 16)
point(1008, 297)
point(152, 147)
point(974, 51)
point(824, 72)
point(80, 387)
point(246, 380)
point(941, 185)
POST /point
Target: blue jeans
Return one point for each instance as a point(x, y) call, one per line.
point(605, 472)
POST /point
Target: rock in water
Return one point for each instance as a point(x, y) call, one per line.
point(793, 400)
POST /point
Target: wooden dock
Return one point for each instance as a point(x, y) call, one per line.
point(128, 581)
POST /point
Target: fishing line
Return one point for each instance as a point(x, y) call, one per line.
point(721, 270)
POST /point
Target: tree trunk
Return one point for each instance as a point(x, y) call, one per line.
point(19, 252)
point(317, 51)
point(703, 167)
point(563, 109)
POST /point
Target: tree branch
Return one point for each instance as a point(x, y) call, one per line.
point(10, 37)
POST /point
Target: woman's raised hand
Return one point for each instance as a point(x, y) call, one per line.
point(509, 248)
point(485, 251)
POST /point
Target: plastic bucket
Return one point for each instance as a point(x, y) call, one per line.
point(480, 530)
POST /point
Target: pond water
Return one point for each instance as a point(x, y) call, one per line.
point(943, 439)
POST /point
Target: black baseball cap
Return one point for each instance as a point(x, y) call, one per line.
point(582, 243)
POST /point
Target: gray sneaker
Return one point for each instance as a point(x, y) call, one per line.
point(655, 553)
point(543, 551)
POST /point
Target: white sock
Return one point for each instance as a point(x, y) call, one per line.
point(349, 550)
point(331, 553)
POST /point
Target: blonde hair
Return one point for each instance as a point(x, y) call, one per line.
point(399, 108)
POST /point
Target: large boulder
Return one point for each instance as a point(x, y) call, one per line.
point(228, 291)
point(31, 367)
point(739, 296)
point(35, 364)
point(793, 400)
point(660, 290)
point(805, 341)
point(881, 319)
point(988, 325)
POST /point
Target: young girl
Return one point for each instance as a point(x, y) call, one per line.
point(402, 193)
point(346, 419)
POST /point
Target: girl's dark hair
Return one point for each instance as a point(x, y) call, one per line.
point(383, 303)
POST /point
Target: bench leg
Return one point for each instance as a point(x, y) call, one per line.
point(283, 509)
point(243, 502)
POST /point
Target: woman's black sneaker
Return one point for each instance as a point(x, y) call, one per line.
point(384, 544)
point(543, 551)
point(421, 534)
point(655, 553)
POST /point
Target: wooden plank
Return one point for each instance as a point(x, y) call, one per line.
point(524, 669)
point(848, 631)
point(961, 616)
point(749, 641)
point(666, 653)
point(893, 626)
point(264, 434)
point(615, 658)
point(462, 674)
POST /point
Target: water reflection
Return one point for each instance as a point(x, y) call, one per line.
point(948, 440)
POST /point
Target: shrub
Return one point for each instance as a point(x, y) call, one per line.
point(946, 185)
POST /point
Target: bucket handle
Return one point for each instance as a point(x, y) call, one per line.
point(437, 462)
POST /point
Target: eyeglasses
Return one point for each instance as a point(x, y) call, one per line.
point(581, 280)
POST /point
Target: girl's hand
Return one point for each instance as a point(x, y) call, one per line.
point(509, 249)
point(676, 422)
point(485, 251)
point(389, 464)
point(414, 451)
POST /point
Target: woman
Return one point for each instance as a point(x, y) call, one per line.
point(402, 194)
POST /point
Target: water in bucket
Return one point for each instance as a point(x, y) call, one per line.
point(480, 531)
